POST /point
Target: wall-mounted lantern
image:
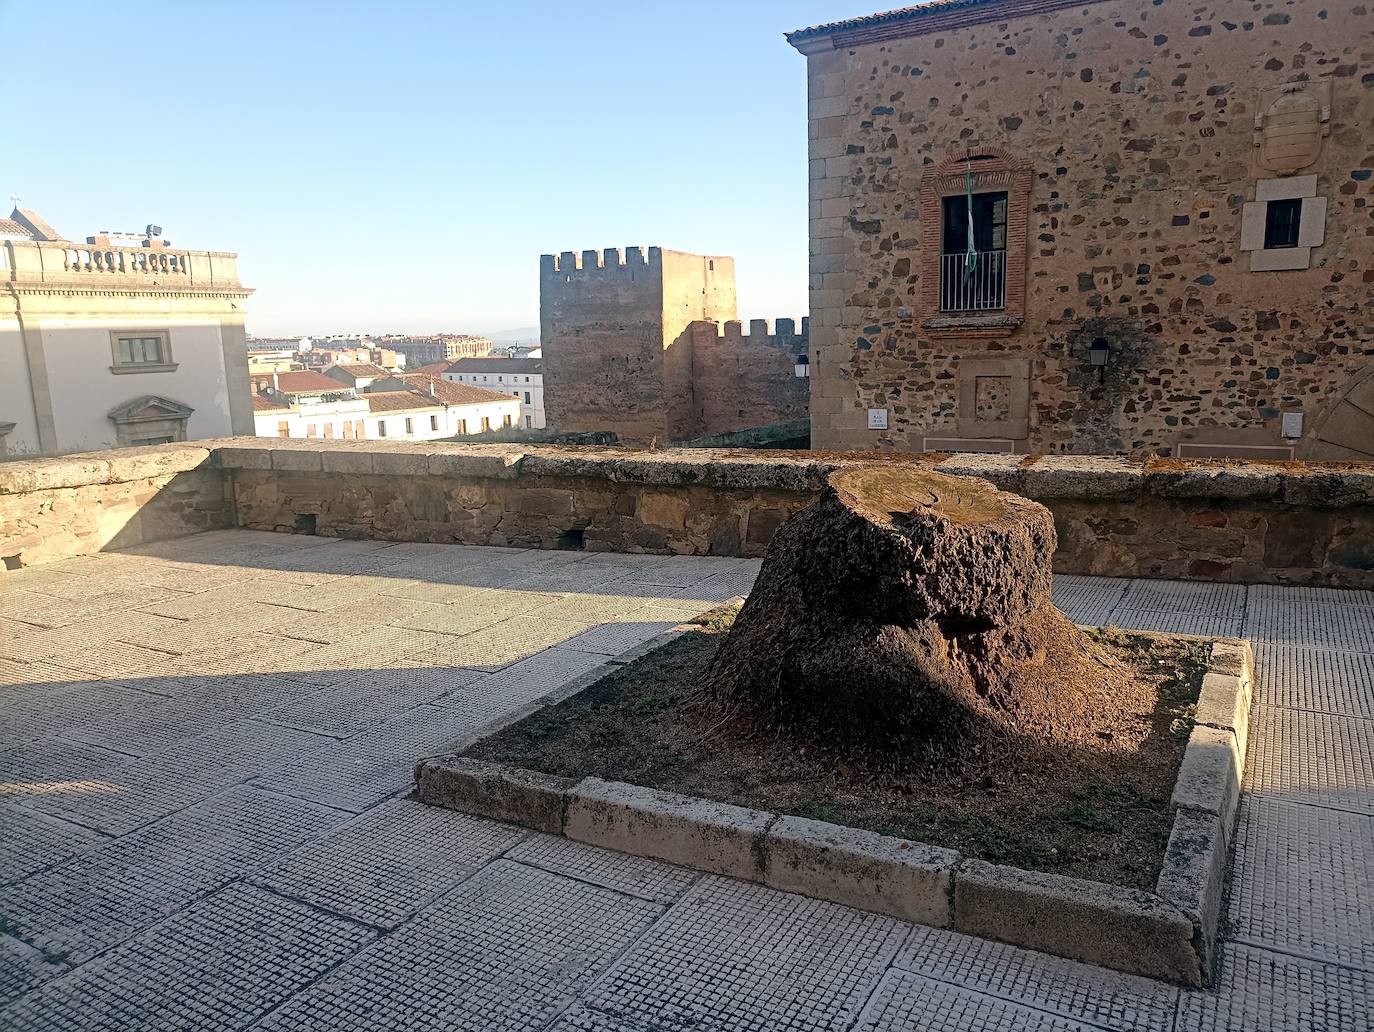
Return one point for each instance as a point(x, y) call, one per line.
point(1098, 355)
point(803, 366)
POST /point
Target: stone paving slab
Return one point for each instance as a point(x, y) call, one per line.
point(153, 786)
point(99, 898)
point(220, 964)
point(360, 771)
point(1224, 601)
point(905, 1001)
point(1260, 991)
point(1170, 622)
point(391, 862)
point(362, 700)
point(632, 875)
point(22, 968)
point(1303, 757)
point(44, 708)
point(481, 612)
point(1079, 992)
point(508, 949)
point(43, 766)
point(614, 638)
point(1300, 882)
point(1316, 625)
point(1313, 679)
point(584, 1019)
point(1088, 600)
point(1269, 594)
point(525, 681)
point(32, 841)
point(740, 956)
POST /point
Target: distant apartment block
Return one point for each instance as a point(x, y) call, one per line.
point(116, 342)
point(442, 347)
point(520, 377)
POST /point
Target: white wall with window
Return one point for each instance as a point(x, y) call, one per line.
point(521, 378)
point(327, 420)
point(436, 422)
point(95, 366)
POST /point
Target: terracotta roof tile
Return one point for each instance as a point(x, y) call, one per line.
point(448, 392)
point(496, 365)
point(950, 13)
point(400, 401)
point(361, 369)
point(306, 381)
point(262, 403)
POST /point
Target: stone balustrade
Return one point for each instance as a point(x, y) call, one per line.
point(34, 263)
point(1252, 522)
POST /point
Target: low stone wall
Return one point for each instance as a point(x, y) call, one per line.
point(1235, 521)
point(58, 508)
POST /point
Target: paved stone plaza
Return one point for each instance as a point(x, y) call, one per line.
point(206, 747)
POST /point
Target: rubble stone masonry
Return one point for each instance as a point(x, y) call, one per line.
point(1238, 521)
point(1138, 142)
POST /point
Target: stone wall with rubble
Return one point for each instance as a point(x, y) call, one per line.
point(1137, 124)
point(743, 379)
point(74, 505)
point(1245, 522)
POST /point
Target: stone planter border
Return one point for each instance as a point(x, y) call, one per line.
point(1169, 933)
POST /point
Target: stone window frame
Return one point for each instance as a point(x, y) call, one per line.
point(167, 365)
point(994, 170)
point(1311, 224)
point(131, 429)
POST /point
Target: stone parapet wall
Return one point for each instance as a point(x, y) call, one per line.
point(74, 505)
point(1235, 521)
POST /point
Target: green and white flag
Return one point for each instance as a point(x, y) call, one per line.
point(970, 255)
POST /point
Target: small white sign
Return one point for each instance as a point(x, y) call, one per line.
point(1292, 425)
point(877, 419)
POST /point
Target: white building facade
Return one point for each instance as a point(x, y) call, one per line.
point(103, 345)
point(522, 378)
point(408, 416)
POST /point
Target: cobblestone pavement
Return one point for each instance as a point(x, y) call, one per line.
point(206, 744)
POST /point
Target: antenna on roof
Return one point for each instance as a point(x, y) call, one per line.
point(15, 199)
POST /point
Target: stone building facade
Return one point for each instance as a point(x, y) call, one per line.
point(1172, 242)
point(105, 344)
point(636, 346)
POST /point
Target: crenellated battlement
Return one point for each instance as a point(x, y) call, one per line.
point(610, 261)
point(758, 330)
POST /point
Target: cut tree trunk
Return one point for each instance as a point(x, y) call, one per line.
point(907, 606)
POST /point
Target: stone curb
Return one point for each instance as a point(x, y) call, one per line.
point(1169, 933)
point(1207, 795)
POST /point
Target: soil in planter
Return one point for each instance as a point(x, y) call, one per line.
point(1090, 801)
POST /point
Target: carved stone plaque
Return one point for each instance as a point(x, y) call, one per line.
point(1291, 123)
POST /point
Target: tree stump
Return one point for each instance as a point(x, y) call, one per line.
point(906, 606)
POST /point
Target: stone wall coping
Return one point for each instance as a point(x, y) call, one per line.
point(115, 466)
point(1105, 477)
point(1169, 933)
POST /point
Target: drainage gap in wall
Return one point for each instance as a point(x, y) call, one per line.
point(573, 540)
point(305, 522)
point(13, 562)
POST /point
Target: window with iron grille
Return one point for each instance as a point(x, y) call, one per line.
point(973, 274)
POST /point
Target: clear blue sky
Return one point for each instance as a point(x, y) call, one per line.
point(401, 166)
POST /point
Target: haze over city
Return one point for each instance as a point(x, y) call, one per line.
point(401, 168)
